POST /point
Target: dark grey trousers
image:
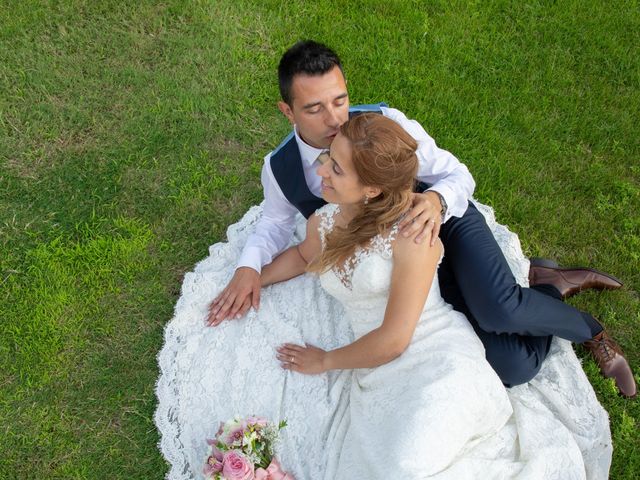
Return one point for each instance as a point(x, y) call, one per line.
point(515, 324)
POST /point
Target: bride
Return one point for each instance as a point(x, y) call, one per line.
point(400, 387)
point(415, 361)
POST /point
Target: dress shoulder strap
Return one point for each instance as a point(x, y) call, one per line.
point(327, 215)
point(383, 243)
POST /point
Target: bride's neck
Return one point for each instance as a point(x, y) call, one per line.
point(348, 212)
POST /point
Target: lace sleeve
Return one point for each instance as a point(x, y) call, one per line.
point(326, 214)
point(383, 244)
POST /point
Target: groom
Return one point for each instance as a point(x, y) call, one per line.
point(515, 324)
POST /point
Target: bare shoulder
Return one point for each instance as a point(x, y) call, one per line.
point(405, 248)
point(313, 222)
point(313, 226)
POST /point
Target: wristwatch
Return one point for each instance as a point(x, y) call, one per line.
point(443, 202)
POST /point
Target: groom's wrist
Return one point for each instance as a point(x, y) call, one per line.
point(438, 200)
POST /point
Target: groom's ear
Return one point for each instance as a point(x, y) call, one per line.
point(286, 111)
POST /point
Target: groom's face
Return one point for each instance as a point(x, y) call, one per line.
point(319, 105)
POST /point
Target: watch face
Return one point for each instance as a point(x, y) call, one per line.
point(443, 203)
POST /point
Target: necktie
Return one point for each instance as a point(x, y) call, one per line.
point(323, 157)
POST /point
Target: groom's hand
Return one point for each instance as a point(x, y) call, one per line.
point(242, 292)
point(424, 218)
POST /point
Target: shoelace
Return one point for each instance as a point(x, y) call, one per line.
point(605, 349)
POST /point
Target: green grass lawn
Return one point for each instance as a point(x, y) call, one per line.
point(132, 134)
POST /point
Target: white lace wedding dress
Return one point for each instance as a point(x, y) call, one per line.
point(437, 411)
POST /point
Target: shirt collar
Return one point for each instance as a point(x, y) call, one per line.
point(308, 154)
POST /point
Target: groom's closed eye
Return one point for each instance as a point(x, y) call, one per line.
point(312, 107)
point(340, 100)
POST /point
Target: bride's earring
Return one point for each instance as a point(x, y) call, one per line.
point(366, 199)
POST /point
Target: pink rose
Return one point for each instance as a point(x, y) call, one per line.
point(273, 472)
point(235, 466)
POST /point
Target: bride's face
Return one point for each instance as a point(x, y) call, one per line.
point(340, 182)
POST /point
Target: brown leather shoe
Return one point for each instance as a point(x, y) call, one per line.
point(569, 281)
point(612, 363)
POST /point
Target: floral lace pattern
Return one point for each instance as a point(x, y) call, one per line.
point(557, 428)
point(380, 244)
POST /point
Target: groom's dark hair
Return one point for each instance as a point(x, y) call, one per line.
point(306, 57)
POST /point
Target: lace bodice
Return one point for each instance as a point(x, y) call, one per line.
point(379, 245)
point(362, 283)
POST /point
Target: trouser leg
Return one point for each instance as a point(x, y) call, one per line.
point(515, 358)
point(498, 304)
point(515, 324)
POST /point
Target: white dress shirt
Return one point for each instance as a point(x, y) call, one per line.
point(274, 230)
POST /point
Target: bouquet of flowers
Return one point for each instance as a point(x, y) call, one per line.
point(243, 450)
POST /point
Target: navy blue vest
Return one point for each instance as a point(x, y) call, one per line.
point(286, 165)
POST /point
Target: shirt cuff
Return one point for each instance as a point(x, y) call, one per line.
point(454, 209)
point(253, 257)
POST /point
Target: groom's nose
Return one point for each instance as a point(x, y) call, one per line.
point(332, 118)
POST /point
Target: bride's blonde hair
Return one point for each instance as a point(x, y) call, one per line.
point(384, 156)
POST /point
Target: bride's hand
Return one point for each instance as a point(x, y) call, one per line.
point(307, 359)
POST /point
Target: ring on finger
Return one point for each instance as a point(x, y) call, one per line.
point(291, 359)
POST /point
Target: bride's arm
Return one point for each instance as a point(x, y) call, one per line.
point(293, 261)
point(414, 268)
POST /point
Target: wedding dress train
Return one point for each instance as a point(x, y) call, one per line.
point(437, 411)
